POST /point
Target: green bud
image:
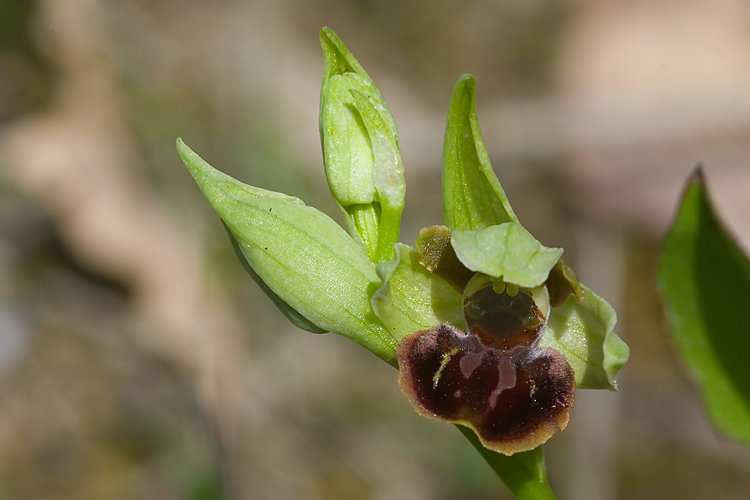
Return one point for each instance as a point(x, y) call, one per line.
point(360, 151)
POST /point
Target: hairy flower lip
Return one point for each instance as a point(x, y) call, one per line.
point(514, 399)
point(491, 378)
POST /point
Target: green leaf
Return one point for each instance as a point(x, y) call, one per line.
point(524, 474)
point(303, 256)
point(582, 332)
point(412, 299)
point(472, 195)
point(506, 251)
point(705, 280)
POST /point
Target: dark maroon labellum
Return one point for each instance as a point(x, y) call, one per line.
point(492, 379)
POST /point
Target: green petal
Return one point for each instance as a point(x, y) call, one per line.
point(506, 251)
point(437, 255)
point(705, 280)
point(412, 299)
point(472, 195)
point(302, 255)
point(582, 332)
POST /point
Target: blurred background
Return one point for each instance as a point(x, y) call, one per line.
point(139, 361)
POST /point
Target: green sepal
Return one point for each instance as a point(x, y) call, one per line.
point(472, 195)
point(506, 251)
point(583, 333)
point(411, 298)
point(705, 280)
point(301, 254)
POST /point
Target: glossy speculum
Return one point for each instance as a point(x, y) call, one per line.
point(491, 378)
point(501, 320)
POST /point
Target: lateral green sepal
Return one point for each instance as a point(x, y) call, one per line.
point(583, 333)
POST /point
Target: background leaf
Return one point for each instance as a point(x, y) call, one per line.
point(705, 280)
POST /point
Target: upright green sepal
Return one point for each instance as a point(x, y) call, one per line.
point(360, 151)
point(472, 196)
point(300, 254)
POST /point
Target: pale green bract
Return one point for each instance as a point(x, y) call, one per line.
point(387, 173)
point(387, 169)
point(301, 255)
point(348, 155)
point(506, 251)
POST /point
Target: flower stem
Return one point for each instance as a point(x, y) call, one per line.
point(523, 473)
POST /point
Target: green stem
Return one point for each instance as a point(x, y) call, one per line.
point(366, 220)
point(388, 231)
point(523, 473)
